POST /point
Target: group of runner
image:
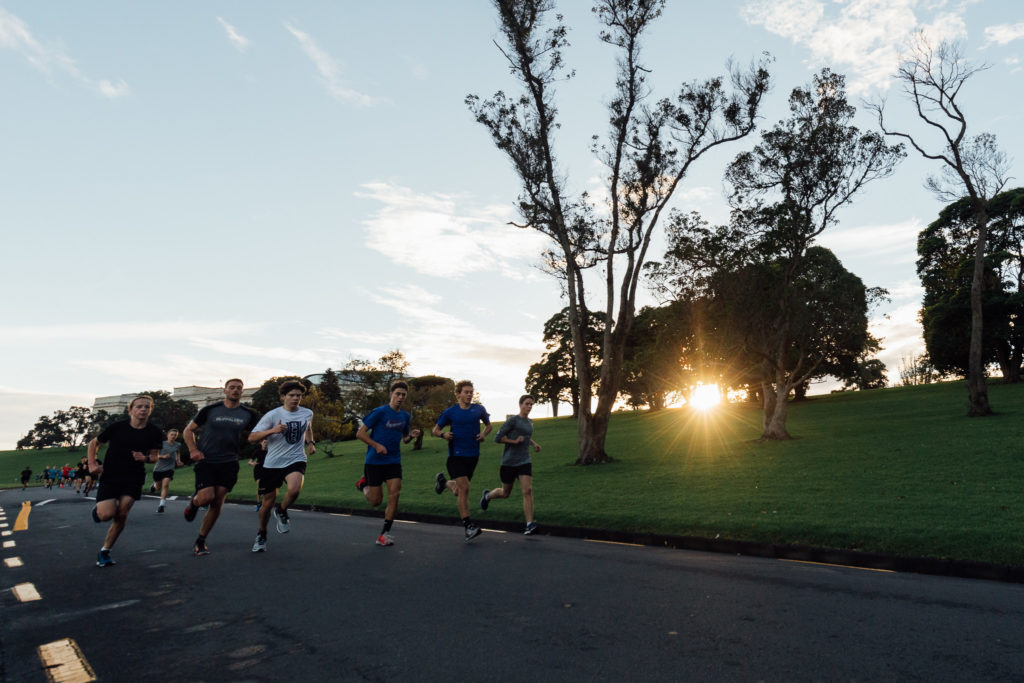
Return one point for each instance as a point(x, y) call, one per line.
point(68, 476)
point(215, 435)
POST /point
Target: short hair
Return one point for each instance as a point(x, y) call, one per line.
point(398, 384)
point(233, 379)
point(291, 385)
point(461, 385)
point(522, 399)
point(172, 429)
point(141, 396)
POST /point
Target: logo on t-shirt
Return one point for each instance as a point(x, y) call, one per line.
point(294, 432)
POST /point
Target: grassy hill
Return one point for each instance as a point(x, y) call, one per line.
point(895, 470)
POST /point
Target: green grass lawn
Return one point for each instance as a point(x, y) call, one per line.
point(894, 470)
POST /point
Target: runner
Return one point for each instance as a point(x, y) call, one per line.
point(26, 475)
point(516, 433)
point(288, 430)
point(132, 442)
point(81, 470)
point(163, 471)
point(383, 431)
point(256, 459)
point(90, 480)
point(463, 437)
point(223, 427)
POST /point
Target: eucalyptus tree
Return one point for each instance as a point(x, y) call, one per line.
point(650, 148)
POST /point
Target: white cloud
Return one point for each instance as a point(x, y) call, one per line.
point(896, 241)
point(329, 70)
point(20, 408)
point(900, 333)
point(1003, 34)
point(24, 334)
point(172, 370)
point(16, 35)
point(321, 356)
point(435, 236)
point(237, 40)
point(863, 38)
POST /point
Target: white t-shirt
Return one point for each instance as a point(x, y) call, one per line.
point(288, 446)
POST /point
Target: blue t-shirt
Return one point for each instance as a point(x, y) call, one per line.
point(465, 425)
point(387, 427)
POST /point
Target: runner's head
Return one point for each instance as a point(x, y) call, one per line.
point(291, 392)
point(464, 392)
point(140, 407)
point(399, 390)
point(233, 389)
point(526, 404)
point(172, 434)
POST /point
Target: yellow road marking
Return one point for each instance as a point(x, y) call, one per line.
point(13, 562)
point(632, 545)
point(64, 662)
point(843, 566)
point(26, 592)
point(21, 524)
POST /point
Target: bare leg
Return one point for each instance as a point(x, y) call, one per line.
point(526, 485)
point(213, 514)
point(264, 511)
point(462, 493)
point(394, 491)
point(120, 518)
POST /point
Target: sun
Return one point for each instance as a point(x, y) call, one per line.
point(705, 397)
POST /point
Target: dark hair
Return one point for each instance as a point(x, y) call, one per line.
point(526, 396)
point(291, 385)
point(233, 379)
point(461, 384)
point(398, 384)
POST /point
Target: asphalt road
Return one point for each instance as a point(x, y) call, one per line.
point(326, 604)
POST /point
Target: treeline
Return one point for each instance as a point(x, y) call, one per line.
point(338, 401)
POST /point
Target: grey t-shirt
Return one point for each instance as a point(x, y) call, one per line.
point(163, 463)
point(515, 454)
point(221, 430)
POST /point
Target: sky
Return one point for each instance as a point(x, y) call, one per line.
point(193, 191)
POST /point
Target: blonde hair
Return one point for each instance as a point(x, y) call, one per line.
point(139, 397)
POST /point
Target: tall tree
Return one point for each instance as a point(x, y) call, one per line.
point(651, 147)
point(785, 193)
point(371, 380)
point(330, 385)
point(972, 167)
point(554, 378)
point(945, 265)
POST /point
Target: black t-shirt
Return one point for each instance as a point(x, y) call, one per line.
point(26, 473)
point(222, 429)
point(123, 439)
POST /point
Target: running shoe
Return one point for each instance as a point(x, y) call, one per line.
point(530, 528)
point(260, 545)
point(281, 518)
point(190, 511)
point(103, 559)
point(160, 507)
point(200, 548)
point(152, 488)
point(484, 500)
point(385, 539)
point(439, 483)
point(361, 484)
point(472, 531)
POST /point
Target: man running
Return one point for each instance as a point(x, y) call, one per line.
point(26, 474)
point(163, 471)
point(463, 437)
point(132, 442)
point(222, 427)
point(516, 433)
point(383, 431)
point(288, 430)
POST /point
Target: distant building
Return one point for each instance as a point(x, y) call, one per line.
point(200, 396)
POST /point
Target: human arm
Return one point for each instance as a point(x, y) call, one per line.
point(189, 436)
point(363, 434)
point(310, 441)
point(255, 437)
point(536, 446)
point(94, 446)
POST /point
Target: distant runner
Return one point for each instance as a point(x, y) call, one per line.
point(463, 437)
point(383, 431)
point(163, 471)
point(222, 428)
point(516, 433)
point(288, 430)
point(132, 443)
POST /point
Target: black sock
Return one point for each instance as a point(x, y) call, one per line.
point(200, 539)
point(465, 521)
point(387, 525)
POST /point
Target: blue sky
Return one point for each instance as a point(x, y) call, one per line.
point(195, 191)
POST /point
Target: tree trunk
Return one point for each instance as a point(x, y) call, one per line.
point(592, 426)
point(554, 407)
point(775, 421)
point(976, 388)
